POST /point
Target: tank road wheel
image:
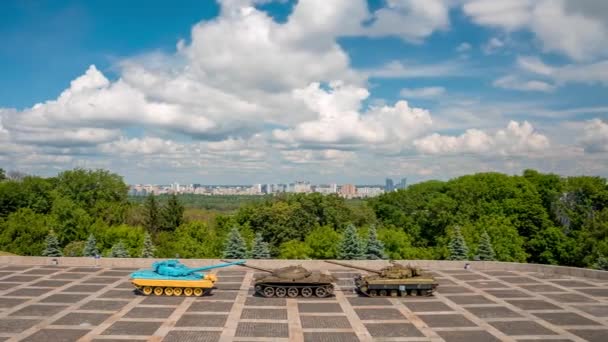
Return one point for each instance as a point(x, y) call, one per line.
point(394, 293)
point(158, 291)
point(382, 293)
point(268, 292)
point(321, 292)
point(292, 292)
point(177, 291)
point(198, 292)
point(168, 291)
point(147, 290)
point(188, 291)
point(330, 289)
point(258, 289)
point(373, 293)
point(280, 292)
point(306, 292)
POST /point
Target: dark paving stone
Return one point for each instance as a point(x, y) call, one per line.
point(443, 281)
point(393, 330)
point(100, 280)
point(456, 271)
point(6, 286)
point(519, 280)
point(467, 336)
point(39, 310)
point(451, 320)
point(565, 318)
point(325, 322)
point(366, 301)
point(15, 268)
point(16, 325)
point(591, 335)
point(595, 310)
point(595, 292)
point(493, 312)
point(249, 329)
point(264, 314)
point(220, 295)
point(487, 284)
point(84, 288)
point(41, 271)
point(499, 273)
point(28, 292)
point(150, 312)
point(124, 285)
point(427, 306)
point(515, 328)
point(376, 314)
point(70, 276)
point(233, 273)
point(64, 298)
point(319, 307)
point(463, 300)
point(84, 269)
point(572, 283)
point(104, 305)
point(192, 336)
point(531, 304)
point(132, 328)
point(120, 294)
point(453, 289)
point(161, 300)
point(228, 286)
point(541, 288)
point(10, 302)
point(330, 337)
point(50, 283)
point(82, 319)
point(115, 273)
point(507, 293)
point(196, 320)
point(570, 298)
point(260, 301)
point(231, 279)
point(210, 307)
point(21, 278)
point(469, 277)
point(57, 335)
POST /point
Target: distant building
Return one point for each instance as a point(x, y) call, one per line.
point(369, 191)
point(389, 186)
point(348, 190)
point(302, 187)
point(402, 184)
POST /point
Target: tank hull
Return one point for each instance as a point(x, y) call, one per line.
point(175, 287)
point(313, 284)
point(417, 286)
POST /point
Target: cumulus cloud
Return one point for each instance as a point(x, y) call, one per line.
point(590, 73)
point(422, 93)
point(516, 83)
point(595, 138)
point(516, 139)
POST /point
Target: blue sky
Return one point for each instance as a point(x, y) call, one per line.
point(248, 91)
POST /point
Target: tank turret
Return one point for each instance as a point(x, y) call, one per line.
point(394, 280)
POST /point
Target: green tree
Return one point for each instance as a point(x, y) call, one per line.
point(148, 248)
point(260, 249)
point(2, 175)
point(119, 251)
point(152, 218)
point(71, 221)
point(294, 249)
point(23, 232)
point(235, 247)
point(52, 247)
point(323, 242)
point(457, 246)
point(172, 214)
point(601, 263)
point(191, 240)
point(90, 248)
point(350, 247)
point(374, 249)
point(73, 249)
point(485, 249)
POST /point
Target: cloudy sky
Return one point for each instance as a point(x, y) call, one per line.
point(250, 91)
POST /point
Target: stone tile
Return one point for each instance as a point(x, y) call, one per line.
point(532, 304)
point(522, 328)
point(493, 312)
point(6, 286)
point(541, 288)
point(84, 269)
point(193, 336)
point(467, 336)
point(453, 290)
point(499, 273)
point(319, 307)
point(39, 310)
point(249, 329)
point(565, 318)
point(28, 292)
point(6, 303)
point(210, 307)
point(15, 268)
point(591, 335)
point(487, 284)
point(41, 271)
point(160, 300)
point(50, 283)
point(519, 280)
point(264, 314)
point(115, 274)
point(132, 328)
point(103, 305)
point(330, 337)
point(467, 277)
point(21, 278)
point(595, 292)
point(124, 285)
point(379, 314)
point(64, 298)
point(220, 295)
point(149, 312)
point(231, 279)
point(82, 319)
point(228, 286)
point(196, 320)
point(16, 325)
point(393, 330)
point(571, 283)
point(507, 293)
point(100, 280)
point(426, 306)
point(450, 320)
point(324, 322)
point(69, 276)
point(570, 298)
point(261, 301)
point(119, 294)
point(233, 273)
point(84, 288)
point(595, 310)
point(57, 335)
point(366, 301)
point(475, 299)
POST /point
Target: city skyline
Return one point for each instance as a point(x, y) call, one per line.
point(251, 91)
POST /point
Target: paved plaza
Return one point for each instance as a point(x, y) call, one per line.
point(54, 303)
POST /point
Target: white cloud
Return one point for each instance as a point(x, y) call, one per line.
point(516, 83)
point(397, 69)
point(492, 46)
point(595, 137)
point(589, 73)
point(422, 93)
point(516, 139)
point(464, 47)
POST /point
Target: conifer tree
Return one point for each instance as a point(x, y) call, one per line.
point(152, 218)
point(119, 250)
point(260, 248)
point(350, 247)
point(52, 247)
point(374, 248)
point(90, 249)
point(235, 247)
point(172, 214)
point(149, 249)
point(457, 246)
point(601, 263)
point(485, 249)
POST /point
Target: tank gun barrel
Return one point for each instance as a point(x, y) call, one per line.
point(351, 266)
point(225, 264)
point(244, 264)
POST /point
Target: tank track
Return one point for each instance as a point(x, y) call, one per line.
point(293, 290)
point(395, 293)
point(174, 291)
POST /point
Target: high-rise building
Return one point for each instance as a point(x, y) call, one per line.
point(348, 190)
point(389, 185)
point(402, 184)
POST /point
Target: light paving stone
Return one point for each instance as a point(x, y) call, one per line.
point(591, 335)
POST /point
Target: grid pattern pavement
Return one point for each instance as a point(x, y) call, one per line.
point(55, 303)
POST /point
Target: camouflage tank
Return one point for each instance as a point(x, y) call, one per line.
point(292, 281)
point(392, 281)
